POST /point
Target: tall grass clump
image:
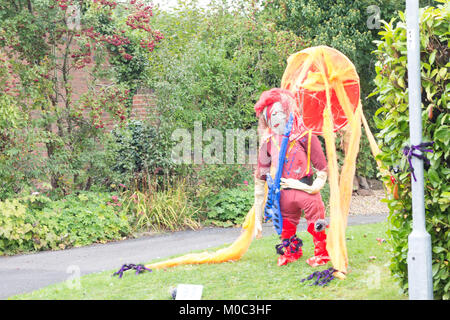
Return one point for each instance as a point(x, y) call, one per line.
point(167, 209)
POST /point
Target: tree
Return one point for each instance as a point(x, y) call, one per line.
point(347, 25)
point(45, 41)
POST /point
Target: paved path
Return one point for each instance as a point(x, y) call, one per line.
point(29, 272)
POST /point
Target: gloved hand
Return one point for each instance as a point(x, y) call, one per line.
point(317, 184)
point(259, 206)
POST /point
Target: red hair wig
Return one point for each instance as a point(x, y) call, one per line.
point(288, 103)
point(269, 97)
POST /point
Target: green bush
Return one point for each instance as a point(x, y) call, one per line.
point(393, 120)
point(35, 223)
point(230, 206)
point(14, 231)
point(19, 162)
point(210, 180)
point(223, 176)
point(34, 81)
point(137, 149)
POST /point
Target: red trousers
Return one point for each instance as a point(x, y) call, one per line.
point(293, 203)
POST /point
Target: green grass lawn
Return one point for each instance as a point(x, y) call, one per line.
point(255, 276)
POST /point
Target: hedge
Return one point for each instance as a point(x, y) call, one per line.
point(393, 120)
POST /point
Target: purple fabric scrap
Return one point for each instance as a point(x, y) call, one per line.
point(139, 269)
point(409, 153)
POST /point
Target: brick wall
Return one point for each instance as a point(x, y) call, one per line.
point(143, 104)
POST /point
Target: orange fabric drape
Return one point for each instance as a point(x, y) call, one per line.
point(326, 85)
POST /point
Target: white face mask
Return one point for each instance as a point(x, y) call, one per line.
point(278, 118)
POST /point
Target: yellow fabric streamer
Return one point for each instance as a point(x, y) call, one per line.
point(349, 165)
point(336, 244)
point(375, 150)
point(327, 77)
point(231, 253)
point(308, 165)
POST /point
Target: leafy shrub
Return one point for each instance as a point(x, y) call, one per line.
point(366, 165)
point(210, 180)
point(19, 163)
point(230, 206)
point(67, 127)
point(87, 218)
point(224, 175)
point(14, 231)
point(393, 120)
point(38, 223)
point(137, 149)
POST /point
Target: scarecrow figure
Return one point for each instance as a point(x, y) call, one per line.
point(299, 191)
point(320, 93)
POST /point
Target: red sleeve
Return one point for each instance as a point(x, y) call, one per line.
point(264, 161)
point(318, 159)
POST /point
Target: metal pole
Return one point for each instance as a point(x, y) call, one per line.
point(420, 278)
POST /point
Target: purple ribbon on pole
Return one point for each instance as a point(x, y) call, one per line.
point(409, 153)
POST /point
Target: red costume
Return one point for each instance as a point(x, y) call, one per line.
point(292, 201)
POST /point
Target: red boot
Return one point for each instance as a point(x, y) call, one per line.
point(320, 247)
point(289, 250)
